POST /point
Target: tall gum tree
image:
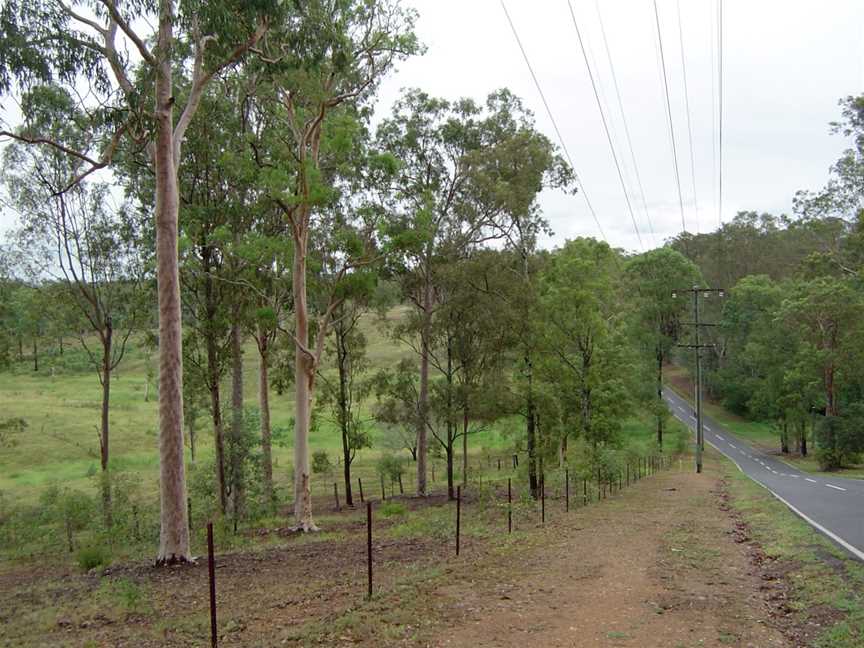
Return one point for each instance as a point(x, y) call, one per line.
point(468, 173)
point(579, 298)
point(86, 43)
point(651, 278)
point(334, 53)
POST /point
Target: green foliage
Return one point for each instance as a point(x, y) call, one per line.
point(321, 464)
point(390, 467)
point(392, 509)
point(840, 439)
point(92, 556)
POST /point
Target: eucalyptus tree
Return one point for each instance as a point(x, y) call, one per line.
point(431, 138)
point(468, 174)
point(469, 341)
point(827, 314)
point(211, 202)
point(650, 279)
point(758, 352)
point(80, 240)
point(581, 301)
point(267, 254)
point(343, 397)
point(107, 46)
point(313, 69)
point(7, 284)
point(397, 405)
point(843, 195)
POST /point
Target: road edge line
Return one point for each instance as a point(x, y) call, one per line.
point(830, 534)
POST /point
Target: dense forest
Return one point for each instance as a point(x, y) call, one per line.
point(274, 217)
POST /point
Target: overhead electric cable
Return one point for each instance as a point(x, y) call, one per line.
point(713, 39)
point(554, 123)
point(669, 114)
point(605, 125)
point(720, 75)
point(624, 120)
point(687, 106)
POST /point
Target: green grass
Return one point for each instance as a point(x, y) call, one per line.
point(821, 576)
point(61, 405)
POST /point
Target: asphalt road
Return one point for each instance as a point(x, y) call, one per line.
point(833, 505)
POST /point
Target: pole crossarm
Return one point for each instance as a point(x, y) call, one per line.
point(695, 291)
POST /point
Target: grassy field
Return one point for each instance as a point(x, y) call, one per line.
point(61, 405)
point(61, 402)
point(758, 433)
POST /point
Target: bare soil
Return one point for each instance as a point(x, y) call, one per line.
point(659, 566)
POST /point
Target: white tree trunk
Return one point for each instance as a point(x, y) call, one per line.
point(304, 371)
point(174, 534)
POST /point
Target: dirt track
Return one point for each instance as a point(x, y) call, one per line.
point(660, 566)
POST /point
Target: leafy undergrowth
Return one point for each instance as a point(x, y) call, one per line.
point(816, 586)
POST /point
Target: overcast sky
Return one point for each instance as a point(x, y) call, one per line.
point(786, 64)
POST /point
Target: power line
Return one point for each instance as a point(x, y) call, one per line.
point(687, 105)
point(712, 32)
point(624, 120)
point(554, 123)
point(605, 125)
point(720, 61)
point(669, 114)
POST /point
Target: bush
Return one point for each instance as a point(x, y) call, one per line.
point(92, 556)
point(321, 464)
point(390, 467)
point(838, 439)
point(392, 509)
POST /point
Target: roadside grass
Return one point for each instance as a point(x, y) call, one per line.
point(759, 433)
point(826, 584)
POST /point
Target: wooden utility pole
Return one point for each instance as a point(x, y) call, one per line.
point(697, 348)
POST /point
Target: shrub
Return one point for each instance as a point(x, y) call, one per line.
point(92, 556)
point(390, 467)
point(321, 464)
point(392, 509)
point(838, 439)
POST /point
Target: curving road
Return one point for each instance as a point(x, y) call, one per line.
point(833, 505)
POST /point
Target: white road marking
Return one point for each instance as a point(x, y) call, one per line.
point(720, 437)
point(733, 445)
point(835, 487)
point(812, 481)
point(855, 551)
